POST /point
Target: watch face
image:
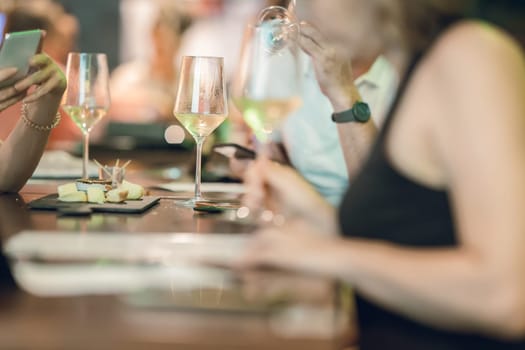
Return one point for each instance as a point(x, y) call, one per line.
point(361, 112)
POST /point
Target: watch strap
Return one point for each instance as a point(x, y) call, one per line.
point(360, 112)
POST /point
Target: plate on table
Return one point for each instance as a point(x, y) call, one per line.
point(51, 202)
point(62, 165)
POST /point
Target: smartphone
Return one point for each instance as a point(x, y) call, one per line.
point(3, 25)
point(233, 150)
point(16, 51)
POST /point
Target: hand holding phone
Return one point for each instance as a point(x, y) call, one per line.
point(16, 51)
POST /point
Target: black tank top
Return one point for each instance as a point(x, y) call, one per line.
point(382, 204)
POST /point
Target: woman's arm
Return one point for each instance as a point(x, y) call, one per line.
point(336, 80)
point(480, 285)
point(20, 153)
point(283, 190)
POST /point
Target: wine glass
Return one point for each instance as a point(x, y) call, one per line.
point(201, 105)
point(86, 99)
point(268, 82)
point(267, 87)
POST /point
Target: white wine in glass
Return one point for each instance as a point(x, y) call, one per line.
point(86, 99)
point(201, 105)
point(263, 116)
point(85, 117)
point(267, 87)
point(268, 82)
point(200, 125)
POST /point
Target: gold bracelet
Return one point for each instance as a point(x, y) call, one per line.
point(36, 126)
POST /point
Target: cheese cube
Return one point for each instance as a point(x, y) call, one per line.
point(134, 191)
point(77, 196)
point(117, 195)
point(66, 189)
point(95, 195)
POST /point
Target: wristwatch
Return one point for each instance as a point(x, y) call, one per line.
point(360, 112)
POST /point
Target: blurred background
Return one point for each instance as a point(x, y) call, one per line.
point(144, 40)
point(121, 27)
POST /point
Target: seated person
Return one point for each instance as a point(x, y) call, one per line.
point(40, 93)
point(431, 233)
point(61, 27)
point(315, 145)
point(143, 92)
point(60, 39)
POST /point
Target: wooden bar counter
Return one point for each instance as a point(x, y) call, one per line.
point(315, 317)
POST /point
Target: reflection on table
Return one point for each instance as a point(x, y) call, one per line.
point(145, 286)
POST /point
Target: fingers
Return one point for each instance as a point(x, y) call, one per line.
point(254, 181)
point(291, 6)
point(311, 32)
point(11, 101)
point(16, 92)
point(278, 177)
point(8, 92)
point(35, 79)
point(44, 89)
point(311, 40)
point(40, 60)
point(48, 76)
point(270, 171)
point(238, 167)
point(6, 73)
point(273, 185)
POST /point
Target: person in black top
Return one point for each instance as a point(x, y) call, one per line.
point(431, 234)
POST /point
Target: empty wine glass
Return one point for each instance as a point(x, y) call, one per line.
point(86, 99)
point(201, 105)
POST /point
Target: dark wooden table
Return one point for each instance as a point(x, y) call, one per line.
point(107, 322)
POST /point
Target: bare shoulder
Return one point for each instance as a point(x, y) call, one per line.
point(467, 99)
point(476, 61)
point(471, 47)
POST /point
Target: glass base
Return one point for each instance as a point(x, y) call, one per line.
point(205, 204)
point(188, 203)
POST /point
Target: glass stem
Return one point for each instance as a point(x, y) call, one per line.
point(264, 215)
point(200, 142)
point(265, 147)
point(85, 156)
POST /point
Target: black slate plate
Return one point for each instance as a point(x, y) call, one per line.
point(51, 202)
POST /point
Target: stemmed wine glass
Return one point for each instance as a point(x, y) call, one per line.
point(201, 105)
point(267, 87)
point(268, 82)
point(86, 99)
